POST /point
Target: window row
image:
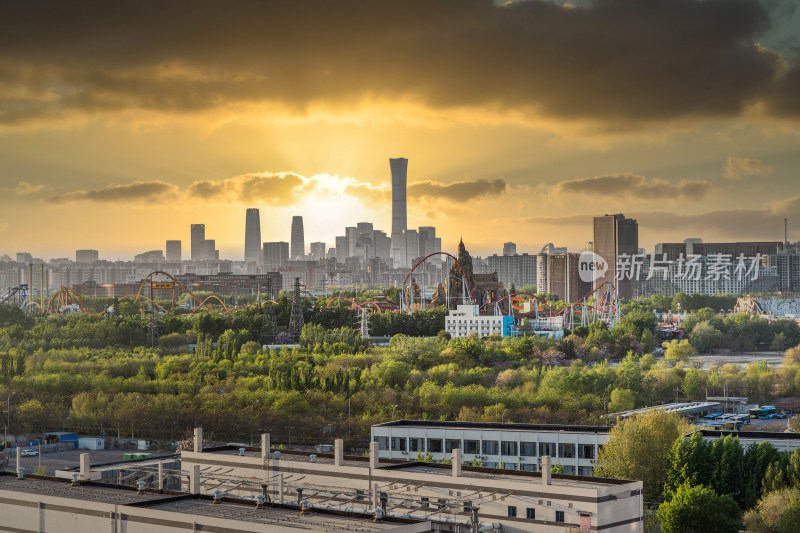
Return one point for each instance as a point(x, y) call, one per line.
point(530, 513)
point(487, 447)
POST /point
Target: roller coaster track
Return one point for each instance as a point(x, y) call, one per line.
point(64, 297)
point(533, 296)
point(179, 284)
point(421, 261)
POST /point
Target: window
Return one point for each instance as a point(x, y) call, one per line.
point(531, 513)
point(585, 471)
point(508, 448)
point(512, 511)
point(527, 448)
point(472, 446)
point(569, 470)
point(398, 444)
point(527, 467)
point(452, 444)
point(510, 466)
point(416, 445)
point(383, 443)
point(490, 447)
point(566, 450)
point(547, 448)
point(435, 445)
point(559, 516)
point(586, 451)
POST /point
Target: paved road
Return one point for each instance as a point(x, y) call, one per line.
point(60, 460)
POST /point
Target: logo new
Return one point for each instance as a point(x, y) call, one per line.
point(591, 267)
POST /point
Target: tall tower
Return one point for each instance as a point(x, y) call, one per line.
point(399, 168)
point(615, 235)
point(298, 246)
point(252, 236)
point(198, 240)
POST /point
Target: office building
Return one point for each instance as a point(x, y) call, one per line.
point(198, 237)
point(174, 251)
point(252, 236)
point(276, 255)
point(86, 256)
point(351, 234)
point(341, 248)
point(153, 256)
point(509, 248)
point(298, 238)
point(615, 235)
point(399, 169)
point(429, 243)
point(317, 251)
point(514, 446)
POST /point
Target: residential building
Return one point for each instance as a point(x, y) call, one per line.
point(86, 256)
point(615, 235)
point(509, 248)
point(276, 255)
point(517, 270)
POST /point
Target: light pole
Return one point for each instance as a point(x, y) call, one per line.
point(8, 416)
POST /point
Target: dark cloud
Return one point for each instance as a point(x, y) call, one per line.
point(615, 61)
point(138, 190)
point(636, 186)
point(459, 191)
point(263, 187)
point(744, 224)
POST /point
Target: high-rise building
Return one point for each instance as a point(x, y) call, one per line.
point(252, 236)
point(276, 255)
point(198, 237)
point(298, 238)
point(615, 235)
point(519, 270)
point(351, 234)
point(399, 169)
point(86, 256)
point(173, 250)
point(341, 248)
point(563, 277)
point(427, 241)
point(317, 251)
point(509, 248)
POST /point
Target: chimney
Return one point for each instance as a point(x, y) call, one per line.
point(546, 462)
point(85, 468)
point(264, 446)
point(194, 479)
point(456, 462)
point(373, 455)
point(338, 452)
point(198, 439)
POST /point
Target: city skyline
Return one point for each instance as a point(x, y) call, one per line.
point(592, 108)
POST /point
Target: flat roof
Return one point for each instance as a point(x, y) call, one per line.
point(508, 426)
point(682, 408)
point(755, 435)
point(83, 491)
point(417, 466)
point(275, 515)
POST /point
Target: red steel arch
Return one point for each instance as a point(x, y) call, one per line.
point(451, 256)
point(552, 313)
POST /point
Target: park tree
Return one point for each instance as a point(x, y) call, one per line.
point(704, 337)
point(776, 512)
point(698, 509)
point(638, 448)
point(621, 400)
point(678, 350)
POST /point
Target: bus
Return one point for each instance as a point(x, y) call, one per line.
point(711, 416)
point(764, 413)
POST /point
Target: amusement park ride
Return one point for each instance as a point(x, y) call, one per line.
point(460, 287)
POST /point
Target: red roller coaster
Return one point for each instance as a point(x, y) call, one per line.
point(404, 305)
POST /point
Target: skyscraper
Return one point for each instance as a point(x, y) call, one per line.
point(276, 255)
point(399, 168)
point(252, 236)
point(173, 250)
point(509, 248)
point(615, 235)
point(317, 251)
point(298, 238)
point(198, 237)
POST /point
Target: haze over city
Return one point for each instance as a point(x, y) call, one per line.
point(520, 119)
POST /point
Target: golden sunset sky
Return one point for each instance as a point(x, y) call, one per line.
point(121, 123)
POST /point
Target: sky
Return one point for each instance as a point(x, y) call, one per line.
point(121, 123)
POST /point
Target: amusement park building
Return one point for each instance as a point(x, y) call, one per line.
point(466, 319)
point(517, 270)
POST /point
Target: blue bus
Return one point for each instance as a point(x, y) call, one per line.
point(764, 413)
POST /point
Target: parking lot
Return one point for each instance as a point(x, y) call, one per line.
point(60, 460)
